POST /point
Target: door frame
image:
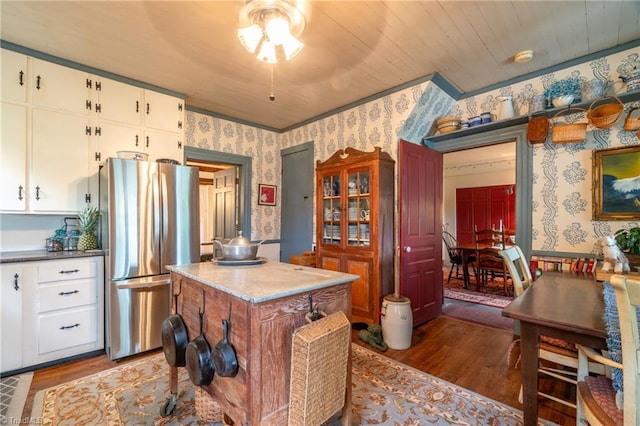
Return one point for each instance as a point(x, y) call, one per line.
point(244, 179)
point(524, 172)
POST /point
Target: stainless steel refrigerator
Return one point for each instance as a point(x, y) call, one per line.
point(150, 219)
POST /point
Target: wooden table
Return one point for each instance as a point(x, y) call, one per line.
point(467, 250)
point(564, 305)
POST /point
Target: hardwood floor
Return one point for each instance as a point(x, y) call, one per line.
point(470, 355)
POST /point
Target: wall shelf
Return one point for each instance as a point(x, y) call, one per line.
point(522, 119)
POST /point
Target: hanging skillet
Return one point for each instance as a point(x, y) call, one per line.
point(174, 336)
point(223, 354)
point(198, 356)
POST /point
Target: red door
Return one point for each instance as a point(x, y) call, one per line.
point(420, 216)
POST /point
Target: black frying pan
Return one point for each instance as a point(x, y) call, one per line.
point(198, 357)
point(174, 338)
point(224, 356)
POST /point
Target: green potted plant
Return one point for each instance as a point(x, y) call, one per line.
point(629, 242)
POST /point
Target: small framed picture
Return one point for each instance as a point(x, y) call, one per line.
point(616, 185)
point(267, 194)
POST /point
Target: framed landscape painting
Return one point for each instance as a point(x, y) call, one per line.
point(267, 194)
point(616, 183)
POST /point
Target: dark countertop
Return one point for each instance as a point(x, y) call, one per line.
point(35, 255)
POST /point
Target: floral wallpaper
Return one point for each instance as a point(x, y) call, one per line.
point(376, 123)
point(562, 177)
point(561, 172)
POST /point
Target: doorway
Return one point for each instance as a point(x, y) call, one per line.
point(501, 150)
point(233, 174)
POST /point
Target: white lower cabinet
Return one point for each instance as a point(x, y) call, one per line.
point(12, 281)
point(60, 313)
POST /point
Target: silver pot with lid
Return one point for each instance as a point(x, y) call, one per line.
point(239, 248)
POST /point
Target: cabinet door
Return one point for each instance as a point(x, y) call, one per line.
point(362, 293)
point(118, 101)
point(14, 76)
point(331, 210)
point(59, 164)
point(112, 137)
point(59, 87)
point(163, 112)
point(13, 160)
point(359, 211)
point(11, 278)
point(163, 145)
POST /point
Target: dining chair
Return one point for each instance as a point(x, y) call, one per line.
point(455, 255)
point(556, 351)
point(489, 242)
point(614, 400)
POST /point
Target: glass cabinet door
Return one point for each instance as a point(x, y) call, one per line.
point(358, 208)
point(331, 209)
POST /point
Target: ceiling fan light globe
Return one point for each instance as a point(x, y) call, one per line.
point(267, 52)
point(291, 46)
point(250, 37)
point(277, 30)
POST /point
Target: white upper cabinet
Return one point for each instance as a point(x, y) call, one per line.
point(163, 145)
point(13, 157)
point(59, 162)
point(58, 87)
point(14, 76)
point(163, 112)
point(59, 124)
point(116, 101)
point(112, 137)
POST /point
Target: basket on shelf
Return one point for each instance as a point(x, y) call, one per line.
point(538, 129)
point(206, 407)
point(605, 115)
point(568, 132)
point(632, 124)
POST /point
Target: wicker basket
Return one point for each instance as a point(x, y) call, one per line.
point(605, 115)
point(538, 129)
point(564, 132)
point(319, 363)
point(206, 407)
point(632, 124)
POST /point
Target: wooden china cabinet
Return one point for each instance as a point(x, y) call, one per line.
point(354, 225)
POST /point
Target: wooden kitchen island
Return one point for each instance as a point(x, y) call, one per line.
point(265, 304)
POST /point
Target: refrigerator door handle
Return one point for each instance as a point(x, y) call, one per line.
point(142, 283)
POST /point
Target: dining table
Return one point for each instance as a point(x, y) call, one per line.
point(563, 305)
point(467, 251)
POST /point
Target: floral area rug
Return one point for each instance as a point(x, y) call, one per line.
point(384, 392)
point(491, 295)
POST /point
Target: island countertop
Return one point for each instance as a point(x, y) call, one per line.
point(259, 283)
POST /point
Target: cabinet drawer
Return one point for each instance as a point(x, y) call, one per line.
point(67, 329)
point(66, 295)
point(60, 271)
